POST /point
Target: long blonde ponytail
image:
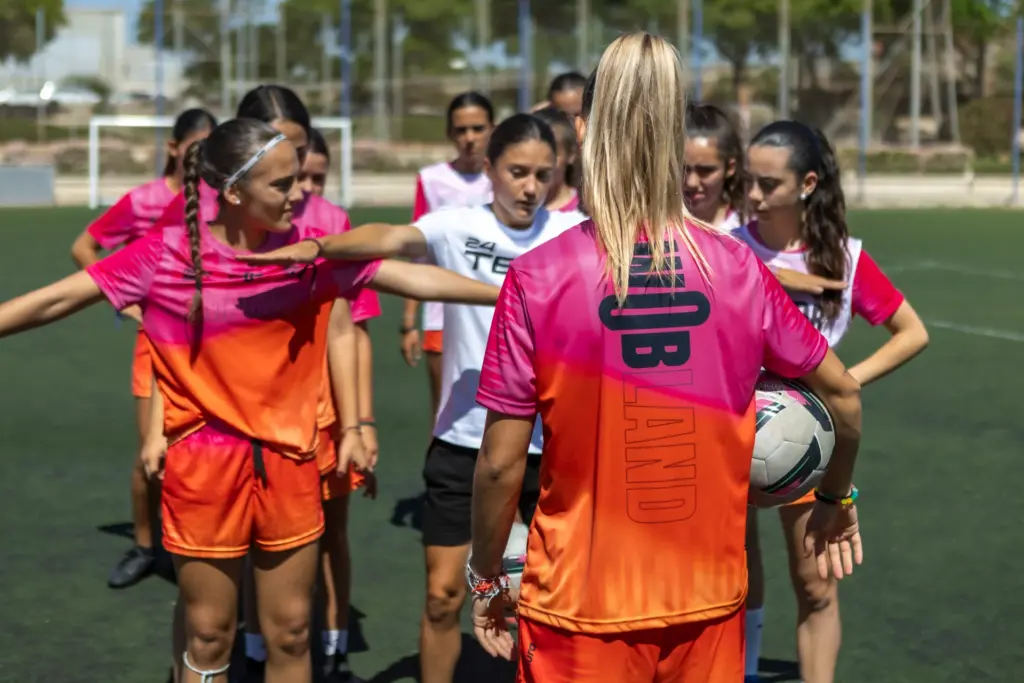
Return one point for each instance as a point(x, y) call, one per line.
point(635, 110)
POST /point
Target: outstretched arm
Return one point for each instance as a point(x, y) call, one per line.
point(373, 241)
point(430, 283)
point(49, 304)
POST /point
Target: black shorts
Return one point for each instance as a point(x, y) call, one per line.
point(448, 474)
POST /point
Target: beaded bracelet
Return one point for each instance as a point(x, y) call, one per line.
point(486, 589)
point(845, 501)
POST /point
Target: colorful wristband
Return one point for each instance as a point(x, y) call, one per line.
point(486, 589)
point(845, 501)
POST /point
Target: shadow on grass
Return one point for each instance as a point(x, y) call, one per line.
point(474, 665)
point(408, 512)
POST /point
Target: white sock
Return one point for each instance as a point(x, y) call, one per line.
point(343, 641)
point(755, 623)
point(330, 642)
point(255, 648)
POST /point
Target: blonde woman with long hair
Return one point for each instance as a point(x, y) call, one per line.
point(638, 338)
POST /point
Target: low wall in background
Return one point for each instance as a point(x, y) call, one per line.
point(879, 191)
point(27, 185)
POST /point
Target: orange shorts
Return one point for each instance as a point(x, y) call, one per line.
point(709, 651)
point(223, 492)
point(331, 485)
point(433, 341)
point(142, 367)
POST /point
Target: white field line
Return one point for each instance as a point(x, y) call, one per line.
point(990, 332)
point(953, 268)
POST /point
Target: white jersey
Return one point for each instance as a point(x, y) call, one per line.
point(730, 222)
point(444, 187)
point(474, 243)
point(810, 304)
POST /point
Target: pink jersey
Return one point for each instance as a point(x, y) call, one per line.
point(133, 215)
point(255, 362)
point(648, 416)
point(573, 204)
point(313, 213)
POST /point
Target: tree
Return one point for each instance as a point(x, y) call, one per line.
point(428, 47)
point(18, 26)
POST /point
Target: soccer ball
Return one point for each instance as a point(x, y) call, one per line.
point(795, 437)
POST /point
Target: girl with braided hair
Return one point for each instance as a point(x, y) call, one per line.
point(127, 220)
point(238, 355)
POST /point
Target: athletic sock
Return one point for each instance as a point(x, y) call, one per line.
point(755, 623)
point(255, 648)
point(343, 641)
point(330, 642)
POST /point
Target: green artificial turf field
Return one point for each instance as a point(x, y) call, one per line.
point(936, 601)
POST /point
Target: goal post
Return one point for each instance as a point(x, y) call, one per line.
point(324, 123)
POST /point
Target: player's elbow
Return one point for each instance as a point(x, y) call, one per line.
point(845, 405)
point(84, 250)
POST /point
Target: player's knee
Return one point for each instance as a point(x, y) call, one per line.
point(287, 631)
point(813, 593)
point(210, 636)
point(444, 602)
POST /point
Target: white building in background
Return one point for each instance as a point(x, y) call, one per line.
point(97, 43)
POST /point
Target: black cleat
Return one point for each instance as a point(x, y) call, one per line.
point(136, 565)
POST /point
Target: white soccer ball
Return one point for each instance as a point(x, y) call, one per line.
point(795, 438)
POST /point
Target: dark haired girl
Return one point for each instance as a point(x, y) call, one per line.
point(460, 183)
point(565, 93)
point(714, 190)
point(564, 192)
point(800, 228)
point(238, 355)
point(478, 242)
point(126, 221)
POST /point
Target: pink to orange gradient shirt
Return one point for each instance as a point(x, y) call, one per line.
point(132, 216)
point(648, 417)
point(256, 360)
point(312, 213)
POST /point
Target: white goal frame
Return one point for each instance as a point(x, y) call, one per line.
point(338, 123)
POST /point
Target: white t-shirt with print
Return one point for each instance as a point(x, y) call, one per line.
point(474, 243)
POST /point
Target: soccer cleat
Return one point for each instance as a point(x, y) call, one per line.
point(136, 565)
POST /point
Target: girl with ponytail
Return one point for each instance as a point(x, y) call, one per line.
point(715, 187)
point(238, 352)
point(126, 221)
point(800, 232)
point(638, 338)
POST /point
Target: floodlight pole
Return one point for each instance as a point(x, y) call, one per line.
point(345, 38)
point(915, 77)
point(1018, 91)
point(784, 52)
point(698, 39)
point(866, 81)
point(158, 35)
point(40, 68)
point(525, 54)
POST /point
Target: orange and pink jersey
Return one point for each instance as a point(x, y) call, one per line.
point(133, 215)
point(648, 416)
point(255, 363)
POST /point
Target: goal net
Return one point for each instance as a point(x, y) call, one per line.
point(121, 150)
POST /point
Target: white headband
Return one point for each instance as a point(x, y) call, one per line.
point(253, 160)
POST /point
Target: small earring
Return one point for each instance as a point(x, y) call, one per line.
point(803, 197)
